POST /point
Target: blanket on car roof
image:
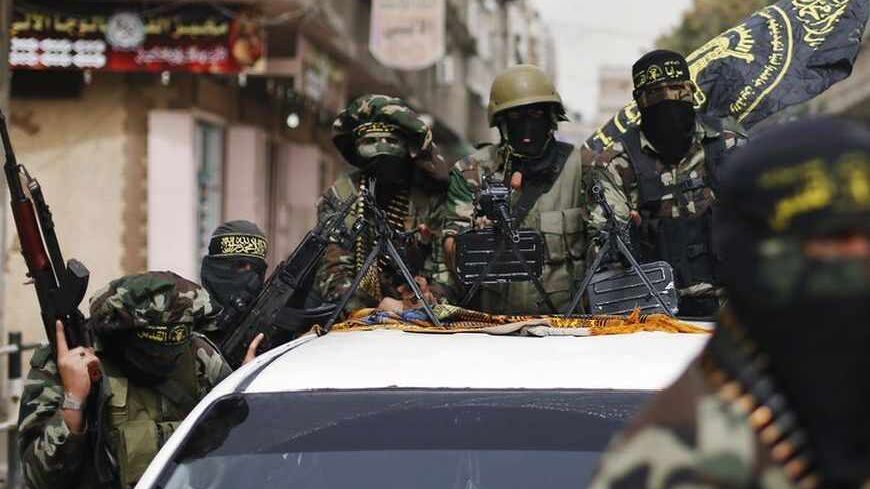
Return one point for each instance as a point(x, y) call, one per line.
point(459, 320)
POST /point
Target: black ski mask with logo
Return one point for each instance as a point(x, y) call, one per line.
point(235, 267)
point(662, 90)
point(793, 192)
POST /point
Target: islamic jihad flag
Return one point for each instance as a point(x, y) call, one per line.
point(780, 56)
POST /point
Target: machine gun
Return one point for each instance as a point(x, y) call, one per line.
point(619, 292)
point(286, 281)
point(481, 254)
point(386, 246)
point(60, 286)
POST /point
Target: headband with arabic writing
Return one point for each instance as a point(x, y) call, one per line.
point(808, 178)
point(174, 334)
point(375, 127)
point(658, 67)
point(238, 244)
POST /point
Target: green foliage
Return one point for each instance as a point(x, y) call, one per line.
point(707, 19)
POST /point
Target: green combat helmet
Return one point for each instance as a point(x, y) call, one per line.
point(523, 85)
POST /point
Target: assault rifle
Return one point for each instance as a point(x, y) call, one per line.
point(60, 287)
point(287, 279)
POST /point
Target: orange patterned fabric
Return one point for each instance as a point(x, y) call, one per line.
point(458, 320)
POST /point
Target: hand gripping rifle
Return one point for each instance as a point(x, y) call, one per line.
point(287, 279)
point(60, 286)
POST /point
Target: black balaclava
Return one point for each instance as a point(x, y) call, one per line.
point(667, 119)
point(382, 152)
point(234, 246)
point(528, 133)
point(149, 355)
point(808, 315)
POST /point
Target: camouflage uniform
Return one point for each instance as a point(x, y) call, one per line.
point(777, 398)
point(419, 205)
point(559, 213)
point(689, 196)
point(137, 420)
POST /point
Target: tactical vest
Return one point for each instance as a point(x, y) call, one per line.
point(137, 420)
point(141, 419)
point(558, 213)
point(685, 242)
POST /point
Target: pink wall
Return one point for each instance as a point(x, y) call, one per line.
point(246, 175)
point(172, 194)
point(297, 189)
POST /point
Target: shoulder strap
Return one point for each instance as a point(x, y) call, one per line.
point(649, 182)
point(530, 194)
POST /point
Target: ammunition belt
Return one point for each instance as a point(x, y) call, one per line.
point(397, 209)
point(738, 371)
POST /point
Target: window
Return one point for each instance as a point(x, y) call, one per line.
point(436, 439)
point(209, 154)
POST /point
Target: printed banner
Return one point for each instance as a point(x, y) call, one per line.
point(407, 34)
point(782, 55)
point(93, 36)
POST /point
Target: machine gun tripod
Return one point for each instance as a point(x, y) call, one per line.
point(615, 245)
point(385, 245)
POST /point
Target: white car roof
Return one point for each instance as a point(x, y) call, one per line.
point(395, 359)
point(379, 359)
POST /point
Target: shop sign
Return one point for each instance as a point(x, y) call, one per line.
point(407, 34)
point(198, 39)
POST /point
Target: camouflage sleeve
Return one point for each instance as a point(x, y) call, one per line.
point(208, 324)
point(335, 276)
point(336, 270)
point(459, 209)
point(435, 268)
point(609, 172)
point(50, 454)
point(211, 367)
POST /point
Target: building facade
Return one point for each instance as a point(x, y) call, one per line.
point(140, 165)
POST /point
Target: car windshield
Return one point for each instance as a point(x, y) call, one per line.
point(431, 439)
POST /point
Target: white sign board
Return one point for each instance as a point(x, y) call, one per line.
point(407, 34)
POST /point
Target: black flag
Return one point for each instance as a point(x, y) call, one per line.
point(780, 56)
